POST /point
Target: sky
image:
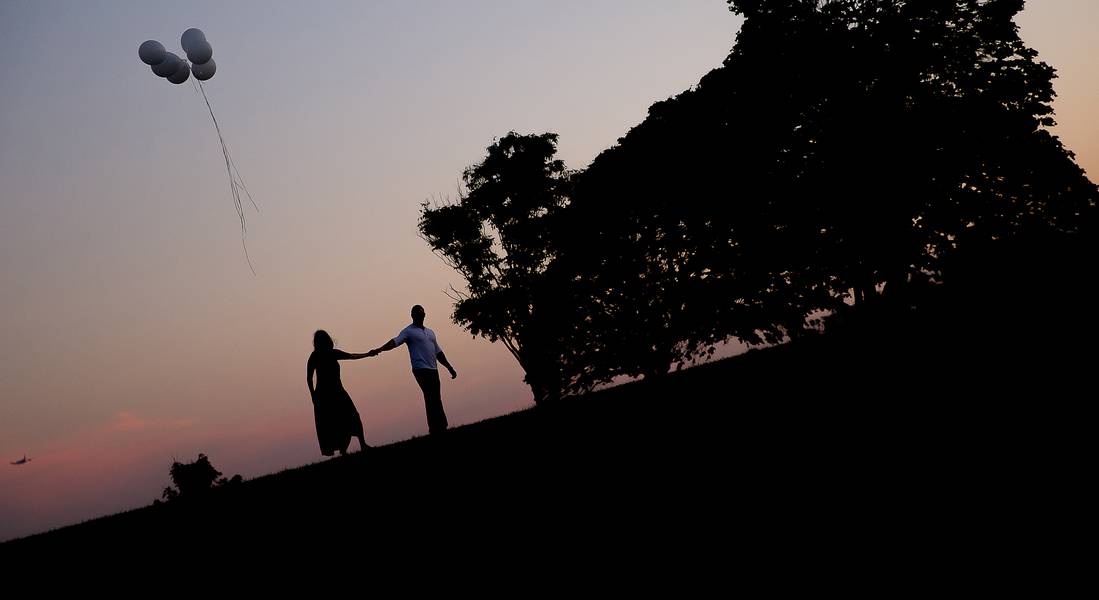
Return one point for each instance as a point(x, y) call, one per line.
point(133, 332)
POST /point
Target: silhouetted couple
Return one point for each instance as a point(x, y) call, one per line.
point(336, 417)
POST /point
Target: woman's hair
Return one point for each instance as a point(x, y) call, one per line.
point(322, 341)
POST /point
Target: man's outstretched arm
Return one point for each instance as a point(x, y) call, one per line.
point(383, 348)
point(442, 358)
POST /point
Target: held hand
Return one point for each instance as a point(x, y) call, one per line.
point(372, 353)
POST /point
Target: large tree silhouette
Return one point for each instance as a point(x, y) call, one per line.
point(849, 156)
point(497, 235)
point(842, 153)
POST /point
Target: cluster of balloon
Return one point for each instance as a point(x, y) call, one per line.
point(173, 68)
point(176, 70)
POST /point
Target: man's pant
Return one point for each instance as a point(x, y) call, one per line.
point(429, 383)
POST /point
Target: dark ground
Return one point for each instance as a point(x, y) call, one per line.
point(889, 443)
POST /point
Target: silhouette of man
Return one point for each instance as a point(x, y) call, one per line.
point(424, 350)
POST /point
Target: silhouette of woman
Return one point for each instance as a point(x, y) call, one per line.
point(334, 412)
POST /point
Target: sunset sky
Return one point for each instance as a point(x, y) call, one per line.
point(133, 331)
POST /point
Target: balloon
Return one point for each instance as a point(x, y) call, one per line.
point(191, 37)
point(205, 70)
point(168, 66)
point(200, 52)
point(181, 74)
point(151, 52)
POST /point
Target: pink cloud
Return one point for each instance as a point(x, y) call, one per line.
point(129, 421)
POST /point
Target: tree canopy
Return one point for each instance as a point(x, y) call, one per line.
point(845, 155)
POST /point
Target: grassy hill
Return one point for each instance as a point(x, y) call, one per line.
point(827, 432)
point(772, 424)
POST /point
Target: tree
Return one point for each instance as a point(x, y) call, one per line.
point(845, 155)
point(843, 151)
point(497, 235)
point(927, 135)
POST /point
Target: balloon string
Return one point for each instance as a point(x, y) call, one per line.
point(236, 184)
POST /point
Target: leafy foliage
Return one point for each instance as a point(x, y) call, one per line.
point(845, 155)
point(497, 236)
point(194, 479)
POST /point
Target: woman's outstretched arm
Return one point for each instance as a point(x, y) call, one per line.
point(341, 355)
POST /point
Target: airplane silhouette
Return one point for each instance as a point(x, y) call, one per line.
point(23, 461)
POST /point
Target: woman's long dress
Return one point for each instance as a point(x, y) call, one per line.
point(337, 419)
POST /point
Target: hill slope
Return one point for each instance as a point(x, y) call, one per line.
point(813, 424)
